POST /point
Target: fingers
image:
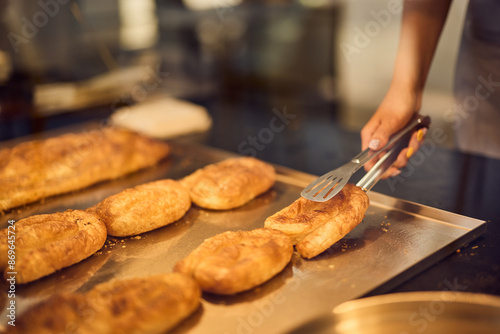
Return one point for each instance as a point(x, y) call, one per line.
point(416, 141)
point(368, 130)
point(394, 112)
point(391, 172)
point(376, 134)
point(382, 125)
point(382, 133)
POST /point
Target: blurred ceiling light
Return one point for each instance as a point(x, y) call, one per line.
point(139, 24)
point(210, 4)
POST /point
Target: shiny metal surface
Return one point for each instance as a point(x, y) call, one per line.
point(411, 312)
point(396, 240)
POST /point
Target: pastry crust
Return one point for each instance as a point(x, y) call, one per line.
point(233, 262)
point(38, 169)
point(46, 243)
point(144, 208)
point(315, 226)
point(230, 183)
point(146, 305)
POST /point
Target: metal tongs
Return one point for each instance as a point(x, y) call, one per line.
point(328, 185)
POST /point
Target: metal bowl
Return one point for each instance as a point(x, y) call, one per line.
point(412, 312)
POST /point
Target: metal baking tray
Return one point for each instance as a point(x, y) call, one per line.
point(396, 240)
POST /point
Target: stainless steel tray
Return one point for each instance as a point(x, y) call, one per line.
point(396, 240)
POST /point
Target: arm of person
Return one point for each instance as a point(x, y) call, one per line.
point(422, 23)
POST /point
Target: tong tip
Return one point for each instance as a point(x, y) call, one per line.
point(321, 196)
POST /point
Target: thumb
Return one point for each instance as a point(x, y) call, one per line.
point(381, 135)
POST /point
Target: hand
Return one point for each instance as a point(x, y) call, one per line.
point(395, 111)
point(420, 29)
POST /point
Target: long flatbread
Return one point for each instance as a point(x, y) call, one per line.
point(38, 169)
point(145, 305)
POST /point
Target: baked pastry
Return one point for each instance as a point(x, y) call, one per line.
point(230, 183)
point(149, 305)
point(37, 169)
point(70, 279)
point(143, 208)
point(315, 226)
point(46, 243)
point(232, 262)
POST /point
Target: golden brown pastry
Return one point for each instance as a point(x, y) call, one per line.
point(232, 262)
point(46, 243)
point(37, 169)
point(315, 226)
point(230, 183)
point(143, 208)
point(146, 305)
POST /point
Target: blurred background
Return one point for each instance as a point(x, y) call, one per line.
point(289, 81)
point(325, 63)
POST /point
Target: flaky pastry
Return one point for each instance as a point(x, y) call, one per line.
point(49, 242)
point(315, 226)
point(230, 183)
point(233, 262)
point(41, 168)
point(146, 305)
point(143, 208)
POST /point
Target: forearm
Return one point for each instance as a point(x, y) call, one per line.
point(422, 23)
